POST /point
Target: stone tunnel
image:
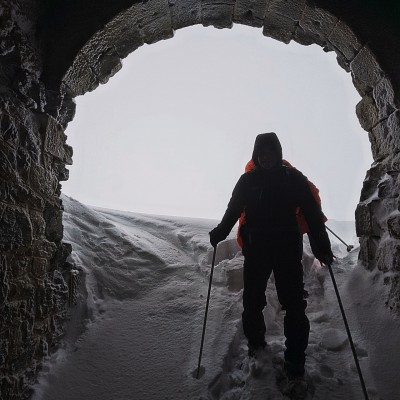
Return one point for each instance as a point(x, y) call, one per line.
point(52, 51)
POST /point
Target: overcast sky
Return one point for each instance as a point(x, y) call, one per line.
point(172, 131)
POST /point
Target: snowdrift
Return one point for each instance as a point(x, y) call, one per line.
point(135, 333)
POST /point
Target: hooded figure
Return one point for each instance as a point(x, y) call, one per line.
point(269, 195)
point(267, 141)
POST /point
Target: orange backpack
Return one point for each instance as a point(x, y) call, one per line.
point(301, 221)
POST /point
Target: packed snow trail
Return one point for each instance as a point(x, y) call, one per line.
point(135, 333)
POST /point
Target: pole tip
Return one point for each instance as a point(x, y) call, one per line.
point(198, 372)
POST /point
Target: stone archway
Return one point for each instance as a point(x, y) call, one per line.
point(146, 23)
point(54, 51)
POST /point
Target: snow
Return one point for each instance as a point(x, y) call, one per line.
point(135, 332)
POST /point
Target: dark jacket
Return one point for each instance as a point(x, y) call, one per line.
point(270, 199)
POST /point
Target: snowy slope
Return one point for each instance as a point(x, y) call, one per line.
point(136, 331)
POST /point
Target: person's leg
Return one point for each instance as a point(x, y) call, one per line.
point(290, 288)
point(255, 276)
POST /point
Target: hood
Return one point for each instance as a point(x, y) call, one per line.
point(269, 140)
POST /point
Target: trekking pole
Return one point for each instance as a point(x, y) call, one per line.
point(348, 333)
point(349, 246)
point(205, 315)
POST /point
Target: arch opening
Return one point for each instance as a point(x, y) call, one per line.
point(169, 112)
point(305, 24)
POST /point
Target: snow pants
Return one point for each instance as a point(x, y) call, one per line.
point(281, 255)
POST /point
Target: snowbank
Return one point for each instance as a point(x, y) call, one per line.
point(136, 331)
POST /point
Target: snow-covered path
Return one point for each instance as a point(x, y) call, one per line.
point(136, 332)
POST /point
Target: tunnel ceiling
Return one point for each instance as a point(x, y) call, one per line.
point(65, 27)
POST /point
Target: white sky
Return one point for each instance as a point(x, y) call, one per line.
point(172, 131)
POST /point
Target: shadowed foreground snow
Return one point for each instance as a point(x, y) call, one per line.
point(135, 333)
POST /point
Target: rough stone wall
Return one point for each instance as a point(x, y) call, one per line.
point(33, 273)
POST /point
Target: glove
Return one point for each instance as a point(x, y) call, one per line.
point(321, 248)
point(216, 236)
point(326, 259)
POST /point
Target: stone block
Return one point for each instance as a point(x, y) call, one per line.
point(388, 255)
point(108, 65)
point(4, 283)
point(317, 23)
point(385, 98)
point(13, 193)
point(394, 226)
point(54, 227)
point(153, 19)
point(185, 13)
point(368, 223)
point(52, 100)
point(59, 260)
point(42, 249)
point(42, 328)
point(393, 162)
point(17, 310)
point(217, 14)
point(80, 78)
point(55, 139)
point(8, 163)
point(102, 57)
point(44, 303)
point(279, 27)
point(9, 128)
point(367, 112)
point(393, 299)
point(15, 228)
point(60, 170)
point(120, 34)
point(365, 69)
point(385, 186)
point(30, 140)
point(21, 290)
point(60, 293)
point(292, 9)
point(345, 41)
point(368, 189)
point(367, 254)
point(41, 348)
point(20, 266)
point(24, 163)
point(250, 12)
point(343, 62)
point(380, 209)
point(39, 268)
point(3, 351)
point(307, 38)
point(385, 137)
point(43, 181)
point(363, 220)
point(388, 206)
point(66, 110)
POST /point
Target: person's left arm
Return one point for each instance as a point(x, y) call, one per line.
point(319, 240)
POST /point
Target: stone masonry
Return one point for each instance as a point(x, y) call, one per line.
point(33, 274)
point(52, 51)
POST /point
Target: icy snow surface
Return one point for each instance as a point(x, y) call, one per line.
point(135, 333)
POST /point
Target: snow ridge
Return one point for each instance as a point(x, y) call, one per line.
point(136, 331)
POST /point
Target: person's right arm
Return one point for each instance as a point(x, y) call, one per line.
point(233, 211)
point(319, 240)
